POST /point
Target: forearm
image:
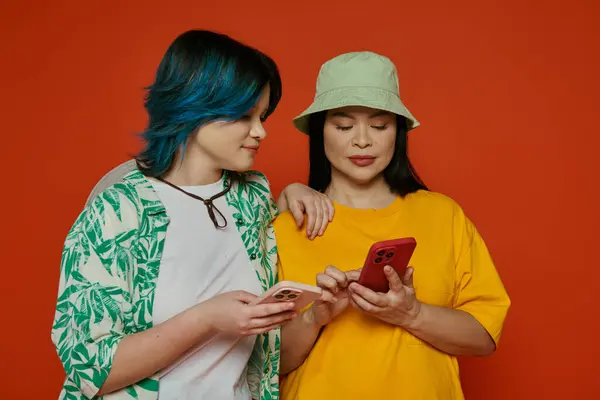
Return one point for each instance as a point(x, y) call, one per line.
point(297, 340)
point(452, 331)
point(141, 355)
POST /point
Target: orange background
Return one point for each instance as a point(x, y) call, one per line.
point(507, 93)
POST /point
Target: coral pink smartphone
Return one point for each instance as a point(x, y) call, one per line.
point(301, 294)
point(395, 253)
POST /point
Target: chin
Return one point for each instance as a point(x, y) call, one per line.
point(240, 165)
point(363, 176)
point(362, 181)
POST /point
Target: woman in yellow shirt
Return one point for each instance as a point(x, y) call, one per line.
point(355, 343)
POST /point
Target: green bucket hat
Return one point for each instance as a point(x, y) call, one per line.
point(359, 78)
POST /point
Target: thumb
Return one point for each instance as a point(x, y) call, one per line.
point(327, 297)
point(353, 275)
point(393, 279)
point(245, 297)
point(408, 277)
point(297, 210)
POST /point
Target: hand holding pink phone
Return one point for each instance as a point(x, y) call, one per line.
point(298, 293)
point(395, 253)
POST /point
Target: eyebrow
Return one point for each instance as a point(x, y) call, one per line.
point(380, 113)
point(374, 115)
point(342, 114)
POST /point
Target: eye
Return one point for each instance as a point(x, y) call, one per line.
point(343, 128)
point(246, 117)
point(380, 127)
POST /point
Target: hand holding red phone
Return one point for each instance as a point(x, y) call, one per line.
point(399, 306)
point(335, 296)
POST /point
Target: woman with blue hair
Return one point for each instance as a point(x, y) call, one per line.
point(158, 271)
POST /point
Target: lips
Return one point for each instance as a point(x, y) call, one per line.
point(362, 161)
point(252, 149)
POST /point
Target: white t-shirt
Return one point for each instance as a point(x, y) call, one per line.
point(199, 262)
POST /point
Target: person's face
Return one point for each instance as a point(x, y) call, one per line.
point(232, 145)
point(359, 141)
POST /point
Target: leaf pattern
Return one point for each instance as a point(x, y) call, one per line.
point(109, 267)
point(254, 205)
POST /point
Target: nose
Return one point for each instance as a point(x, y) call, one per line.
point(362, 137)
point(258, 131)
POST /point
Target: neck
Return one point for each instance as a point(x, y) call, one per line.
point(373, 194)
point(195, 170)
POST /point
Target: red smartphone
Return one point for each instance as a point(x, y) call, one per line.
point(395, 253)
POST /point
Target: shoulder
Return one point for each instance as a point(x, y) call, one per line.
point(255, 178)
point(285, 220)
point(129, 186)
point(426, 198)
point(125, 194)
point(254, 190)
point(255, 184)
point(439, 209)
point(286, 228)
point(111, 177)
point(433, 203)
point(120, 202)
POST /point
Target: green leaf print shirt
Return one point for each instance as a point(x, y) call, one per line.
point(109, 269)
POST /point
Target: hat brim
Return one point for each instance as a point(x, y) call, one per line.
point(371, 97)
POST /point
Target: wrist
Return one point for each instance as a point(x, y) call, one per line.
point(309, 320)
point(415, 320)
point(204, 319)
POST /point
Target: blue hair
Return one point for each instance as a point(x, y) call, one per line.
point(203, 77)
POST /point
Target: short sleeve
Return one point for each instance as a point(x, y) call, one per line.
point(93, 297)
point(480, 291)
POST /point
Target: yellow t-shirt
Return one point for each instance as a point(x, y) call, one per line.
point(360, 357)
